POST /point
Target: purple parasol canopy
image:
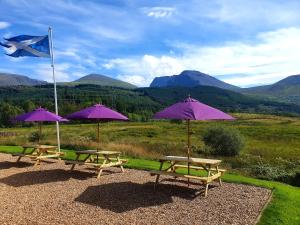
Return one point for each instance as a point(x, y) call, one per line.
point(191, 109)
point(97, 112)
point(40, 115)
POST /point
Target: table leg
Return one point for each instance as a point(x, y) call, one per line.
point(101, 169)
point(206, 186)
point(220, 181)
point(40, 153)
point(157, 176)
point(121, 166)
point(73, 165)
point(23, 152)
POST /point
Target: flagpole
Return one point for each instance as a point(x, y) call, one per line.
point(54, 82)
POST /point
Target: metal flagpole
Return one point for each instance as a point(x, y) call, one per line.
point(54, 82)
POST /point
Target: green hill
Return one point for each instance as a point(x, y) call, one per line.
point(8, 79)
point(285, 90)
point(98, 79)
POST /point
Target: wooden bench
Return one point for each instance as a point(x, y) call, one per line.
point(210, 166)
point(204, 180)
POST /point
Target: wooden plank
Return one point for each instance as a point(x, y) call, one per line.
point(94, 164)
point(108, 153)
point(213, 177)
point(157, 172)
point(85, 151)
point(48, 156)
point(199, 168)
point(191, 160)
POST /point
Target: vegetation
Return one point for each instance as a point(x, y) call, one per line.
point(138, 104)
point(272, 143)
point(223, 141)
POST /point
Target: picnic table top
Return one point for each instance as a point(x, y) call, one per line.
point(95, 152)
point(39, 146)
point(191, 160)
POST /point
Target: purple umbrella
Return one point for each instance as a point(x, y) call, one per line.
point(191, 109)
point(40, 115)
point(97, 113)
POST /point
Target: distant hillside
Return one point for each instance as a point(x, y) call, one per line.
point(138, 104)
point(287, 90)
point(190, 78)
point(98, 79)
point(7, 79)
point(223, 99)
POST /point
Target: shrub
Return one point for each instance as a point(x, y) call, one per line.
point(35, 137)
point(223, 141)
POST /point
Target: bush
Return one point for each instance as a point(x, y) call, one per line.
point(281, 174)
point(223, 141)
point(35, 137)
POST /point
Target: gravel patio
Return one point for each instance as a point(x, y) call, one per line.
point(53, 195)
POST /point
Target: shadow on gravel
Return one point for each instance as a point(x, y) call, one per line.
point(43, 176)
point(8, 165)
point(126, 196)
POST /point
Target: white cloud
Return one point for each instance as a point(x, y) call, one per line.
point(159, 12)
point(273, 56)
point(44, 72)
point(255, 12)
point(4, 24)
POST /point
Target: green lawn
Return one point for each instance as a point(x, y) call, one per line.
point(284, 208)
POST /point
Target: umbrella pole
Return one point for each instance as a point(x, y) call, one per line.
point(189, 146)
point(40, 132)
point(98, 139)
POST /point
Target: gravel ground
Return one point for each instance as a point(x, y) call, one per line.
point(53, 195)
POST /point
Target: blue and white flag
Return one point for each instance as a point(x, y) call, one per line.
point(26, 45)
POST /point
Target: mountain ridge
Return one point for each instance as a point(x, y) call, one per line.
point(103, 80)
point(191, 78)
point(285, 90)
point(9, 79)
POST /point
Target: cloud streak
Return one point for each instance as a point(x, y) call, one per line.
point(275, 55)
point(4, 24)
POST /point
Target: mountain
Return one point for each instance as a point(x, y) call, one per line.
point(286, 90)
point(190, 78)
point(7, 79)
point(102, 80)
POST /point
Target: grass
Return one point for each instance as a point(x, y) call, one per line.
point(284, 208)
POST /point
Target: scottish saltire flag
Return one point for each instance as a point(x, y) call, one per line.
point(26, 45)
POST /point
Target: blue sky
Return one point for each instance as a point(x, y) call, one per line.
point(242, 42)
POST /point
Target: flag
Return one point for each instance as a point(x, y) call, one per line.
point(26, 45)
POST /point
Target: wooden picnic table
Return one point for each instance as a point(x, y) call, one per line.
point(211, 166)
point(92, 158)
point(38, 153)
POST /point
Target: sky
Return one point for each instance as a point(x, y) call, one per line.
point(245, 43)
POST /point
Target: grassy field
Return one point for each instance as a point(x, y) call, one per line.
point(272, 149)
point(284, 208)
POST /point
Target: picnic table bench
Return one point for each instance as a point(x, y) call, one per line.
point(211, 166)
point(92, 157)
point(38, 153)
